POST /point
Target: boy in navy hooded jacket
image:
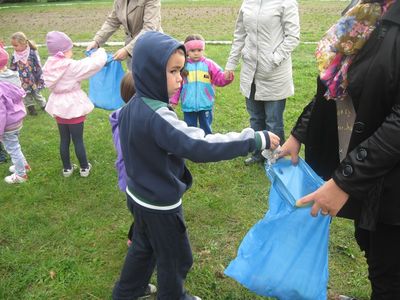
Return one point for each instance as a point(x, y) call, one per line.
point(154, 144)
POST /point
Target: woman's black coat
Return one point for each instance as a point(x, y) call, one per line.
point(370, 173)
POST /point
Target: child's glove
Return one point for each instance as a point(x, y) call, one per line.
point(271, 155)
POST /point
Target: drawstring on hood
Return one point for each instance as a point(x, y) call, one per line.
point(150, 57)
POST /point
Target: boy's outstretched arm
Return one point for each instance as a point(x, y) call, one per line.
point(177, 138)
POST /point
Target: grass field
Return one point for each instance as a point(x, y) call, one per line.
point(65, 238)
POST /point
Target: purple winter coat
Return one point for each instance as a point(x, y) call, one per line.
point(119, 163)
point(12, 108)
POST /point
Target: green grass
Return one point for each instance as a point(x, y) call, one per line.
point(65, 238)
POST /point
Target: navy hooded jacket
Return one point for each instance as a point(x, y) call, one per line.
point(154, 141)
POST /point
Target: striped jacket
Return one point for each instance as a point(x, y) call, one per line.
point(197, 92)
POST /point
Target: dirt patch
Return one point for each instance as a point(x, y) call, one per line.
point(82, 22)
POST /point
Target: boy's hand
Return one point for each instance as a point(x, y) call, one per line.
point(274, 140)
point(228, 75)
point(291, 147)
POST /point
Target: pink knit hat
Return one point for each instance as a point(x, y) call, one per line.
point(3, 57)
point(58, 42)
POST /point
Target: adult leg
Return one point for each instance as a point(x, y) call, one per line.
point(65, 140)
point(205, 120)
point(77, 138)
point(257, 121)
point(274, 118)
point(190, 118)
point(39, 98)
point(13, 148)
point(382, 248)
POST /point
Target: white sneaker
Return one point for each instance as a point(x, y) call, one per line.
point(12, 168)
point(86, 172)
point(68, 172)
point(14, 178)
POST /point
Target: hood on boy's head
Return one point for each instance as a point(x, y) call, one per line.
point(149, 61)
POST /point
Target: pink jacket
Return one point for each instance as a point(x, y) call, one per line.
point(12, 108)
point(63, 77)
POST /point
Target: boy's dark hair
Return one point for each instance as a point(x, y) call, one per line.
point(127, 87)
point(194, 37)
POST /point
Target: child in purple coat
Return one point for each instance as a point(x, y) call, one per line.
point(127, 92)
point(12, 114)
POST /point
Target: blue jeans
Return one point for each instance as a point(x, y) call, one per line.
point(266, 115)
point(204, 117)
point(13, 148)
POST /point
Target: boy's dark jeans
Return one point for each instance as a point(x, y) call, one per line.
point(160, 239)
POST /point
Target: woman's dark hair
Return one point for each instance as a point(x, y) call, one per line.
point(127, 87)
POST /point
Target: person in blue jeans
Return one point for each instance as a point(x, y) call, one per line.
point(265, 35)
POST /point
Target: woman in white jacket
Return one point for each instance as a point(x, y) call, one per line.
point(266, 33)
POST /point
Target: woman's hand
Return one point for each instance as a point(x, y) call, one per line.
point(328, 199)
point(121, 54)
point(92, 45)
point(291, 147)
point(228, 75)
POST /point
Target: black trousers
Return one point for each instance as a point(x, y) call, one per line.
point(74, 131)
point(160, 240)
point(382, 251)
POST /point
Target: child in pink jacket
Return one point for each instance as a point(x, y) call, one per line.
point(12, 113)
point(68, 103)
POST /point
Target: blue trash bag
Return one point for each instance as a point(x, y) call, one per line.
point(285, 255)
point(104, 86)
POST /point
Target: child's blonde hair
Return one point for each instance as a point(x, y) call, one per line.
point(21, 38)
point(127, 87)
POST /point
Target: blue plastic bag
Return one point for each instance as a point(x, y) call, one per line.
point(285, 255)
point(104, 86)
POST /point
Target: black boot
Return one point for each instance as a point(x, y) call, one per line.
point(32, 110)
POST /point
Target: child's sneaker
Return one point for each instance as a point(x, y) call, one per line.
point(14, 178)
point(149, 294)
point(12, 168)
point(85, 172)
point(68, 172)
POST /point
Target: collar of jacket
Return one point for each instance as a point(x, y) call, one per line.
point(393, 14)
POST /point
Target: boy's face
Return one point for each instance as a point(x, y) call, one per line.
point(175, 65)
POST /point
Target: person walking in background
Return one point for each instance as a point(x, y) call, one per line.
point(127, 92)
point(266, 33)
point(351, 133)
point(26, 61)
point(12, 113)
point(197, 93)
point(136, 17)
point(154, 143)
point(68, 103)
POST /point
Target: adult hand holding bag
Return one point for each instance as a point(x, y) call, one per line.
point(285, 255)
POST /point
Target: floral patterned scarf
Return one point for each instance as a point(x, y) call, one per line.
point(337, 49)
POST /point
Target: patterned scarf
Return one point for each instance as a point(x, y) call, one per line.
point(22, 55)
point(337, 49)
